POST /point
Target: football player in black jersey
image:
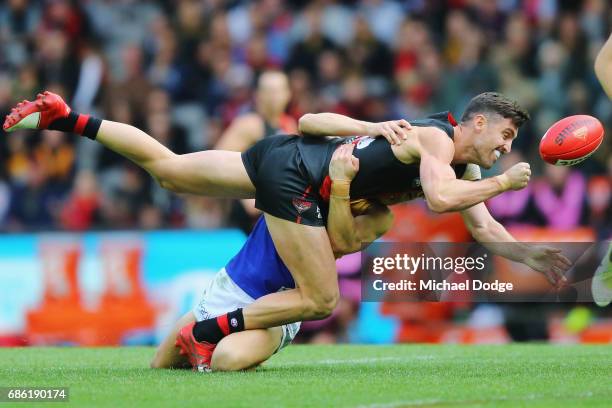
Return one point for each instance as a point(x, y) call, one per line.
point(274, 170)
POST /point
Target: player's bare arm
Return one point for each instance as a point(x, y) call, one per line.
point(603, 66)
point(334, 124)
point(346, 232)
point(443, 191)
point(493, 236)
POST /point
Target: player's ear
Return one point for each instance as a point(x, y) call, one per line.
point(480, 121)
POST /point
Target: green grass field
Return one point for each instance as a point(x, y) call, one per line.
point(328, 376)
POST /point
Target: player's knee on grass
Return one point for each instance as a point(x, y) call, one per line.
point(232, 360)
point(247, 349)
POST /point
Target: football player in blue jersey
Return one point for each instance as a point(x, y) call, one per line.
point(257, 270)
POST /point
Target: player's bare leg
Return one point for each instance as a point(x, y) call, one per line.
point(247, 349)
point(213, 173)
point(210, 173)
point(305, 250)
point(238, 351)
point(307, 253)
point(167, 354)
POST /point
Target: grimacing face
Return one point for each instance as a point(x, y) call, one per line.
point(494, 137)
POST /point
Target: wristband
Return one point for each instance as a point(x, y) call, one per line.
point(340, 189)
point(339, 197)
point(503, 182)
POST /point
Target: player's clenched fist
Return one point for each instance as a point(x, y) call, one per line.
point(343, 165)
point(516, 177)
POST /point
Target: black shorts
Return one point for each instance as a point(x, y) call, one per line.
point(283, 187)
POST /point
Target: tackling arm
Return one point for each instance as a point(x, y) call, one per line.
point(326, 124)
point(347, 233)
point(333, 124)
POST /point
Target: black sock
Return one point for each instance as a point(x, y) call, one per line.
point(78, 123)
point(213, 330)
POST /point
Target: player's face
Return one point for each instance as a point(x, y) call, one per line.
point(496, 137)
point(273, 92)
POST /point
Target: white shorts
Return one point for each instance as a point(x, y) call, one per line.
point(222, 296)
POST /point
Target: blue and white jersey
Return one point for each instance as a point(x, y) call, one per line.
point(258, 269)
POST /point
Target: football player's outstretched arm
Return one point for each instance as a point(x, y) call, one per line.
point(443, 191)
point(346, 232)
point(493, 236)
point(334, 124)
point(603, 66)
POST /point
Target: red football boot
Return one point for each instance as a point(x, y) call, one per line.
point(38, 114)
point(199, 352)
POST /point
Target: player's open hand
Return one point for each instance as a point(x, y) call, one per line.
point(395, 131)
point(549, 261)
point(343, 165)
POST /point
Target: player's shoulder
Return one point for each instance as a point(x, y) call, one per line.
point(433, 140)
point(424, 140)
point(432, 134)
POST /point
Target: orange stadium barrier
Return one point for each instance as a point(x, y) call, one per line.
point(122, 308)
point(414, 223)
point(60, 318)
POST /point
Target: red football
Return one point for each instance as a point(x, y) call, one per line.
point(571, 140)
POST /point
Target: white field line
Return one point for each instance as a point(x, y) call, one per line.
point(365, 360)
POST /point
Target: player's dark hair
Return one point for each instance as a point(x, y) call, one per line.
point(493, 102)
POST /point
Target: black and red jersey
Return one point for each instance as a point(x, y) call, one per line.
point(380, 172)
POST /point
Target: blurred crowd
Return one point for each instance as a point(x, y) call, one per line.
point(183, 70)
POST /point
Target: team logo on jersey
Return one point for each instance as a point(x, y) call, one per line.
point(364, 142)
point(301, 205)
point(234, 322)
